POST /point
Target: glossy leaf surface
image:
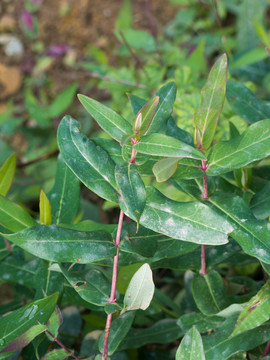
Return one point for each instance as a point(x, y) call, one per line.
point(7, 171)
point(13, 217)
point(191, 221)
point(213, 96)
point(118, 331)
point(57, 354)
point(91, 285)
point(66, 191)
point(252, 145)
point(111, 122)
point(252, 235)
point(245, 104)
point(59, 244)
point(209, 293)
point(90, 163)
point(162, 332)
point(191, 346)
point(19, 321)
point(167, 146)
point(23, 340)
point(140, 290)
point(260, 203)
point(165, 168)
point(255, 312)
point(132, 190)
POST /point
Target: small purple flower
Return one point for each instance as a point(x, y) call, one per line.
point(27, 20)
point(57, 50)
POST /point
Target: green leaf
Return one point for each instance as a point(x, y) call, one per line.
point(260, 203)
point(90, 163)
point(166, 94)
point(63, 101)
point(111, 122)
point(165, 168)
point(189, 221)
point(118, 331)
point(174, 131)
point(163, 145)
point(251, 234)
point(65, 194)
point(162, 332)
point(203, 323)
point(45, 210)
point(19, 321)
point(213, 95)
point(7, 172)
point(140, 290)
point(132, 190)
point(57, 354)
point(252, 145)
point(124, 18)
point(59, 244)
point(209, 293)
point(138, 39)
point(188, 169)
point(13, 217)
point(24, 339)
point(245, 104)
point(46, 280)
point(220, 345)
point(250, 57)
point(191, 347)
point(145, 116)
point(91, 285)
point(18, 272)
point(255, 312)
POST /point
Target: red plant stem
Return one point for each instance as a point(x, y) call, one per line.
point(113, 287)
point(133, 154)
point(266, 349)
point(62, 345)
point(205, 197)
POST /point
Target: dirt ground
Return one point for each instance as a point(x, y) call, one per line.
point(77, 24)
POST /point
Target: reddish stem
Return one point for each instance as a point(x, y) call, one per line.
point(113, 287)
point(266, 349)
point(62, 345)
point(203, 262)
point(133, 154)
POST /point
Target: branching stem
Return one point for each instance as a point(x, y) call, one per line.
point(61, 345)
point(266, 350)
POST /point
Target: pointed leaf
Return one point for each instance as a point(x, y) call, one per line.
point(162, 332)
point(111, 122)
point(65, 194)
point(174, 131)
point(91, 285)
point(245, 104)
point(145, 116)
point(24, 339)
point(251, 234)
point(209, 293)
point(165, 168)
point(132, 190)
point(140, 290)
point(163, 145)
point(260, 203)
point(213, 95)
point(256, 312)
point(118, 331)
point(19, 321)
point(7, 172)
point(45, 210)
point(90, 163)
point(13, 217)
point(191, 347)
point(189, 221)
point(59, 244)
point(252, 145)
point(124, 18)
